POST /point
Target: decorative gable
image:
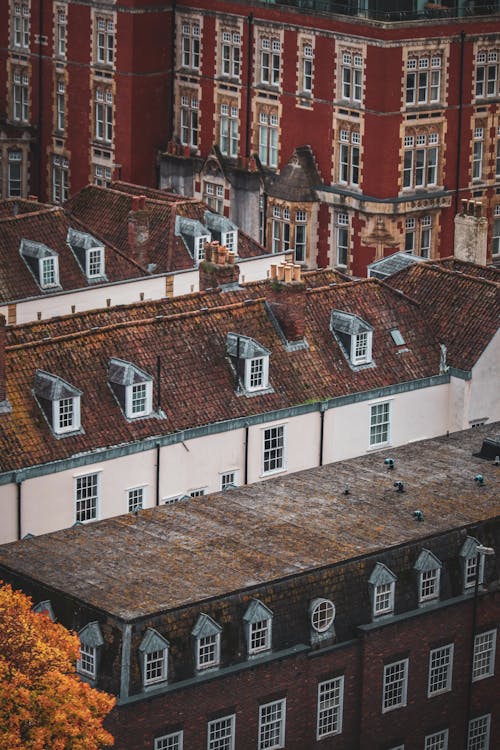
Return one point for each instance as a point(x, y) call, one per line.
point(354, 336)
point(250, 361)
point(42, 262)
point(222, 230)
point(91, 635)
point(194, 235)
point(205, 626)
point(153, 641)
point(132, 387)
point(59, 401)
point(256, 612)
point(381, 575)
point(427, 561)
point(89, 254)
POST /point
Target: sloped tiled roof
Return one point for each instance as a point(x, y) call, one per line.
point(197, 384)
point(252, 535)
point(490, 273)
point(49, 226)
point(10, 207)
point(463, 309)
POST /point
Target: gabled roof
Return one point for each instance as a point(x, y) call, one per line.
point(298, 179)
point(197, 383)
point(489, 273)
point(463, 309)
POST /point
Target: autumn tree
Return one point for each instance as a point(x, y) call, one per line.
point(43, 703)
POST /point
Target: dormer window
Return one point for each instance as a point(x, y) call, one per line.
point(428, 568)
point(206, 634)
point(354, 336)
point(132, 387)
point(91, 642)
point(258, 621)
point(42, 262)
point(194, 235)
point(223, 230)
point(59, 401)
point(382, 583)
point(251, 362)
point(470, 559)
point(153, 654)
point(88, 252)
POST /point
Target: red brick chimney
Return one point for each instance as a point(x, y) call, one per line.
point(2, 359)
point(138, 226)
point(287, 300)
point(218, 267)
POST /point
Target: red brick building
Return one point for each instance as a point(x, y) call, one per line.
point(343, 130)
point(329, 609)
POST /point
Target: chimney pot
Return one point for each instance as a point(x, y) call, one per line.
point(142, 202)
point(135, 202)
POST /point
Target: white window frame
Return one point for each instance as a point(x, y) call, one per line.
point(275, 454)
point(97, 496)
point(148, 399)
point(270, 61)
point(231, 54)
point(395, 688)
point(437, 740)
point(257, 373)
point(486, 73)
point(381, 428)
point(61, 29)
point(440, 670)
point(133, 494)
point(341, 233)
point(258, 628)
point(429, 585)
point(230, 240)
point(421, 161)
point(75, 424)
point(383, 598)
point(221, 733)
point(90, 263)
point(479, 729)
point(322, 615)
point(60, 179)
point(268, 139)
point(20, 95)
point(229, 130)
point(105, 40)
point(330, 707)
point(172, 741)
point(15, 174)
point(208, 644)
point(483, 664)
point(86, 664)
point(272, 723)
point(361, 348)
point(477, 154)
point(349, 158)
point(351, 77)
point(60, 105)
point(198, 492)
point(228, 478)
point(190, 44)
point(152, 658)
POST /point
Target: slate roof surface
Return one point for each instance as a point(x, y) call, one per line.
point(107, 210)
point(50, 227)
point(197, 383)
point(298, 178)
point(462, 309)
point(238, 539)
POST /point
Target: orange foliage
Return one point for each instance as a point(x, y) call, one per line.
point(43, 703)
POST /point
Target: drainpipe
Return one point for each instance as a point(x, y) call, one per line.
point(322, 409)
point(19, 509)
point(460, 112)
point(245, 478)
point(249, 84)
point(40, 98)
point(158, 448)
point(172, 71)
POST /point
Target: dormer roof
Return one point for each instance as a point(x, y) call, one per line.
point(52, 387)
point(218, 223)
point(125, 373)
point(349, 323)
point(32, 249)
point(244, 347)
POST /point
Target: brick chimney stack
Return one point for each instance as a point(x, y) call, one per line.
point(138, 227)
point(288, 300)
point(218, 267)
point(471, 230)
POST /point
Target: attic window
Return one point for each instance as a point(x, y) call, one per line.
point(428, 568)
point(397, 337)
point(132, 387)
point(194, 235)
point(59, 401)
point(88, 252)
point(42, 262)
point(223, 230)
point(251, 362)
point(91, 642)
point(354, 335)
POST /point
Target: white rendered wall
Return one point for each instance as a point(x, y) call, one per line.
point(485, 384)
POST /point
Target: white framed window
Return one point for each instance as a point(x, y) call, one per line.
point(495, 240)
point(221, 733)
point(258, 621)
point(60, 35)
point(199, 247)
point(139, 399)
point(420, 164)
point(274, 449)
point(349, 152)
point(49, 271)
point(190, 45)
point(330, 707)
point(425, 236)
point(207, 635)
point(270, 61)
point(300, 236)
point(213, 196)
point(105, 41)
point(15, 174)
point(60, 106)
point(189, 120)
point(102, 175)
point(228, 134)
point(21, 26)
point(428, 568)
point(483, 664)
point(199, 492)
point(230, 240)
point(173, 741)
point(361, 347)
point(87, 497)
point(440, 670)
point(351, 78)
point(20, 95)
point(437, 741)
point(280, 229)
point(272, 725)
point(228, 479)
point(382, 587)
point(477, 154)
point(470, 559)
point(66, 414)
point(322, 614)
point(135, 499)
point(133, 388)
point(103, 106)
point(307, 69)
point(395, 685)
point(86, 664)
point(478, 737)
point(380, 423)
point(94, 261)
point(487, 73)
point(155, 666)
point(63, 412)
point(423, 80)
point(231, 54)
point(60, 179)
point(257, 373)
point(342, 239)
point(268, 139)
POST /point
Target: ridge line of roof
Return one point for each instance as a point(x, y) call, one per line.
point(438, 269)
point(126, 323)
point(45, 210)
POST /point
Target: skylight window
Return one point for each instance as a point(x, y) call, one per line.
point(397, 337)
